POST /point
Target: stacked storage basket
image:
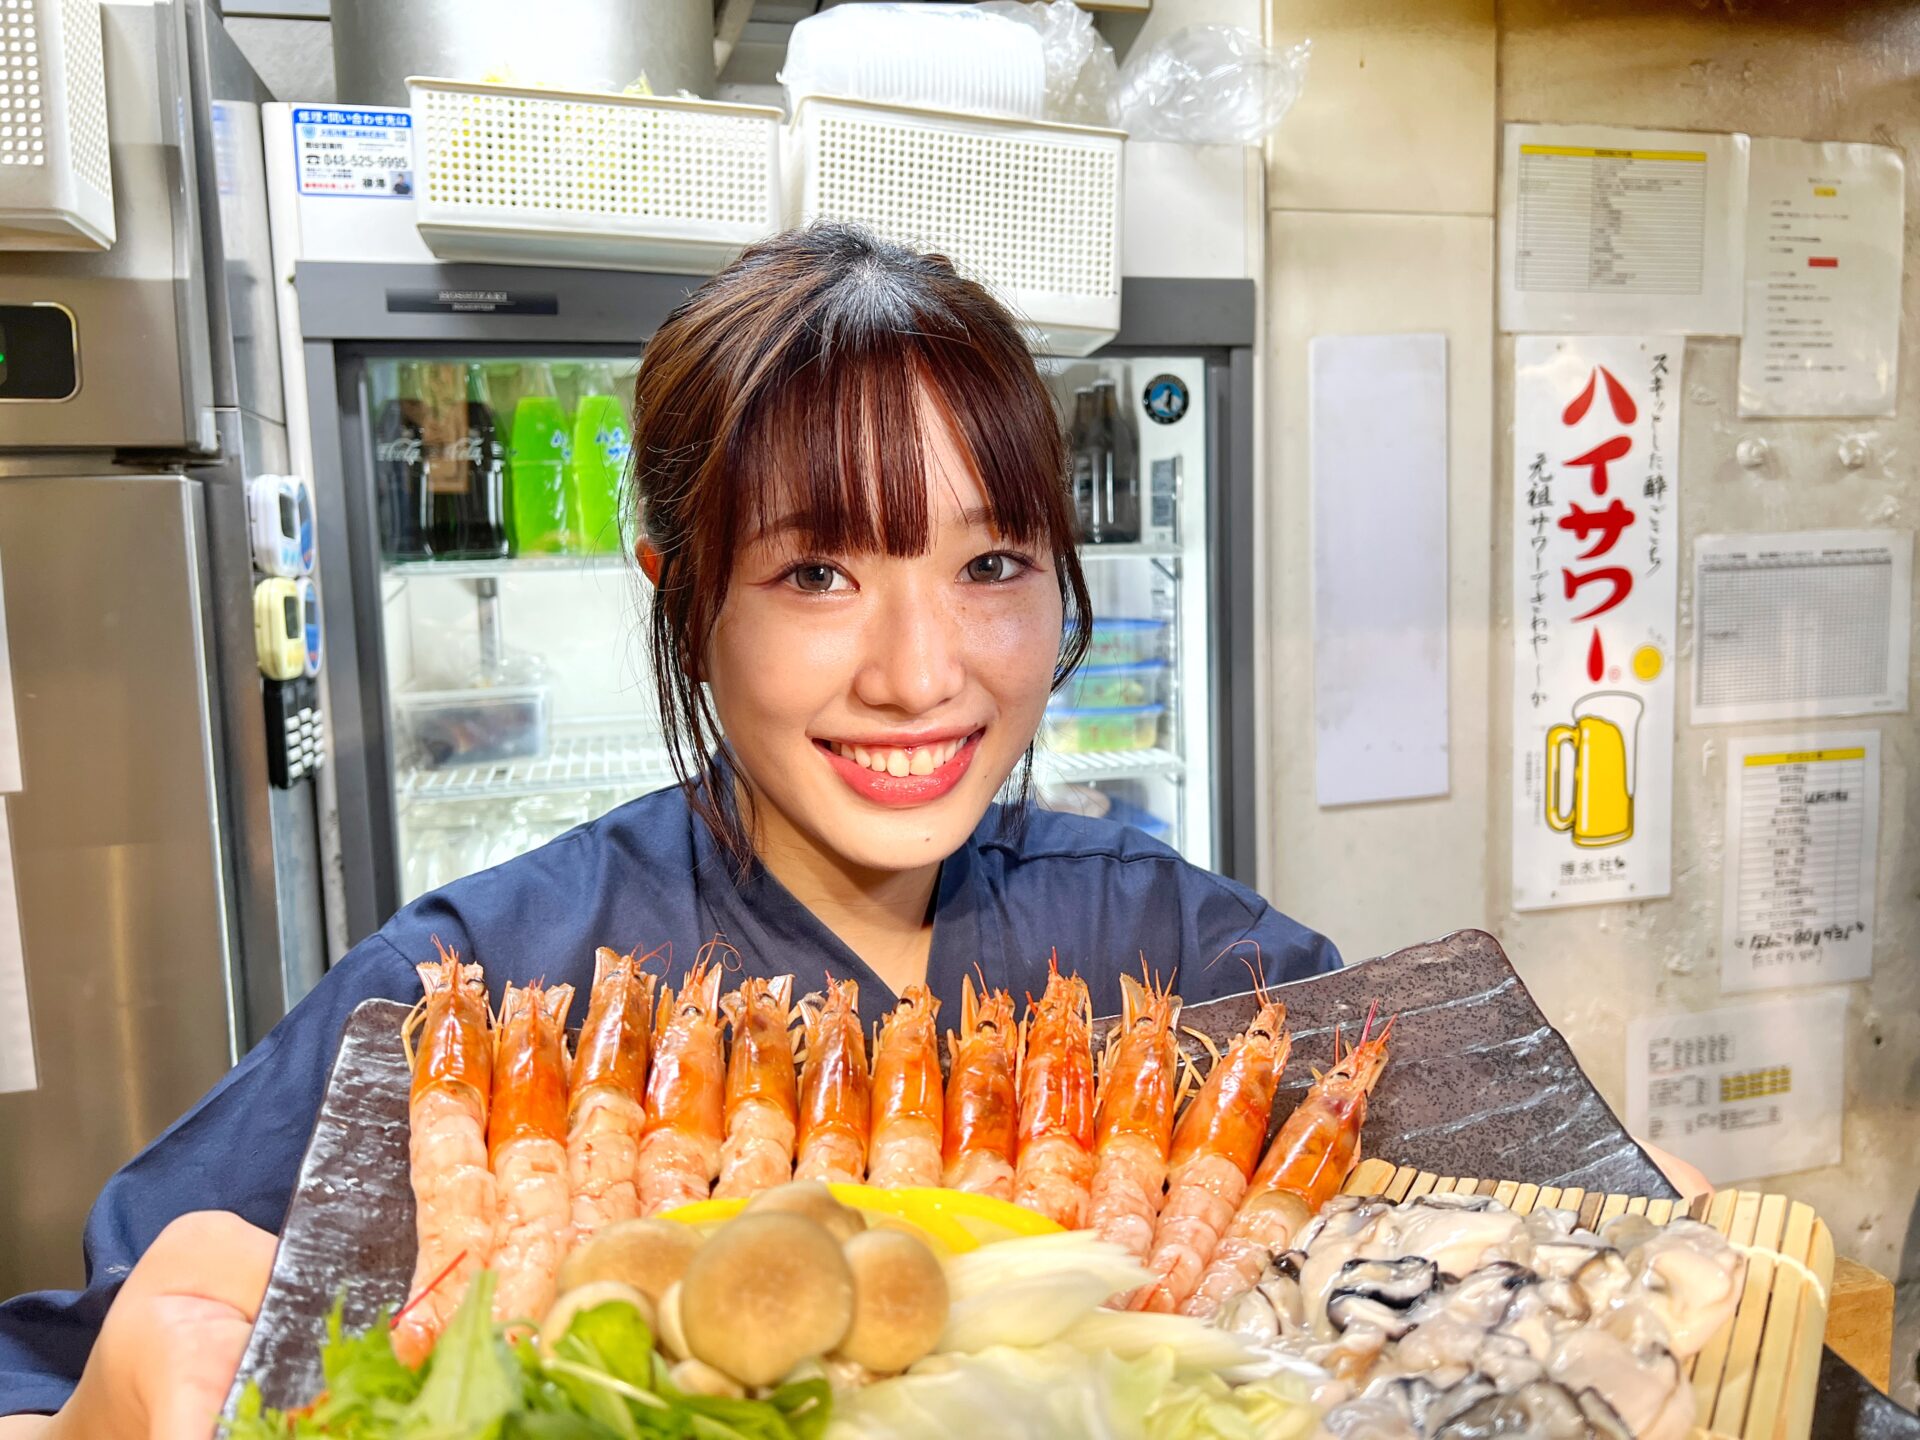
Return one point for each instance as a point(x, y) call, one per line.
point(56, 179)
point(1030, 209)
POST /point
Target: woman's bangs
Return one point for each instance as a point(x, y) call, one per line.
point(835, 454)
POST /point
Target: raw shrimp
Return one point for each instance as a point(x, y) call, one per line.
point(527, 1146)
point(686, 1096)
point(1215, 1148)
point(1307, 1163)
point(762, 1109)
point(1133, 1121)
point(606, 1112)
point(1053, 1171)
point(834, 1088)
point(905, 1145)
point(453, 1190)
point(982, 1104)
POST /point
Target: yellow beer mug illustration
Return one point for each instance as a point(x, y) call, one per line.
point(1590, 769)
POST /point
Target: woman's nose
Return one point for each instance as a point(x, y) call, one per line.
point(913, 654)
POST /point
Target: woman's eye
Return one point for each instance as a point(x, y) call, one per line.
point(813, 577)
point(996, 567)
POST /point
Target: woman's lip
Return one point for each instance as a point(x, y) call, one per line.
point(902, 791)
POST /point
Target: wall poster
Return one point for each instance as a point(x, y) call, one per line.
point(1596, 552)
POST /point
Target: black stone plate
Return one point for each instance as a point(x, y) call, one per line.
point(1479, 1084)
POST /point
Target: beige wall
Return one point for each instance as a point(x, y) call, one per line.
point(1381, 199)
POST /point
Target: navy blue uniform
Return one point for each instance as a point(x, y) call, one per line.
point(643, 876)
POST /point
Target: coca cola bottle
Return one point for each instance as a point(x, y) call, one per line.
point(462, 499)
point(399, 471)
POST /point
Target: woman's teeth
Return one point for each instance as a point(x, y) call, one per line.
point(891, 760)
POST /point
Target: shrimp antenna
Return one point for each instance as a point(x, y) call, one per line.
point(1226, 950)
point(639, 959)
point(719, 942)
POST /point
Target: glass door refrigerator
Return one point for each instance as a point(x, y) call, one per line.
point(489, 686)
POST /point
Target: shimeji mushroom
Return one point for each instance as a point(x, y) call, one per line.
point(763, 1294)
point(899, 1301)
point(649, 1255)
point(814, 1200)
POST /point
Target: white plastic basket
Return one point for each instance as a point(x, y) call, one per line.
point(569, 178)
point(56, 181)
point(1030, 209)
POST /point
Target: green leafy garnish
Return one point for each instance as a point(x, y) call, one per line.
point(601, 1381)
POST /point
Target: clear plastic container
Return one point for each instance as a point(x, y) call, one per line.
point(1125, 642)
point(1113, 687)
point(475, 727)
point(1074, 732)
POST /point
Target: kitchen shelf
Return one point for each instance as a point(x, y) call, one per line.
point(504, 566)
point(638, 763)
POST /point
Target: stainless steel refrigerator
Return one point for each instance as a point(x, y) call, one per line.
point(169, 895)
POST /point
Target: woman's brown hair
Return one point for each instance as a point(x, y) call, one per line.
point(793, 381)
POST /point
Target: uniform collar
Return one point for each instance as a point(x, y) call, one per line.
point(776, 934)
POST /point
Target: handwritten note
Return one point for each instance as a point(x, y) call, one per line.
point(1803, 825)
point(1745, 1090)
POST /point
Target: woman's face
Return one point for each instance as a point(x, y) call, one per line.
point(878, 703)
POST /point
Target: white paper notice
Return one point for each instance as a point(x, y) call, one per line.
point(1825, 227)
point(1379, 445)
point(17, 1069)
point(1743, 1091)
point(1799, 625)
point(1596, 475)
point(1803, 826)
point(1621, 231)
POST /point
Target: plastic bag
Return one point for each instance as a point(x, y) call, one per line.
point(957, 57)
point(1209, 85)
point(1082, 78)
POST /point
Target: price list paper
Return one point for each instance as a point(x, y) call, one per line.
point(1825, 226)
point(1596, 495)
point(1745, 1090)
point(1803, 824)
point(1618, 230)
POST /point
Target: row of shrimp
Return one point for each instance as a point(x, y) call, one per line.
point(519, 1149)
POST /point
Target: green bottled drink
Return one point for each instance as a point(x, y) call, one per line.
point(601, 442)
point(538, 466)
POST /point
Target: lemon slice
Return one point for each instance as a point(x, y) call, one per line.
point(952, 1220)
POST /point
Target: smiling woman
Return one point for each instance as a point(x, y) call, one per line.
point(849, 489)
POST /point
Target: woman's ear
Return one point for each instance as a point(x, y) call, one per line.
point(649, 559)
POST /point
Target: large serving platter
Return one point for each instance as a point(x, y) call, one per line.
point(1479, 1085)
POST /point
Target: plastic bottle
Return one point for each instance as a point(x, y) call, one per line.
point(1115, 452)
point(1080, 439)
point(398, 472)
point(463, 503)
point(538, 463)
point(601, 442)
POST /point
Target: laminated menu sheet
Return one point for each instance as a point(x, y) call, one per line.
point(1825, 236)
point(1799, 625)
point(1803, 824)
point(1745, 1090)
point(1606, 230)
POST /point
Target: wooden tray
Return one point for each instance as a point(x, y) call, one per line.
point(1757, 1377)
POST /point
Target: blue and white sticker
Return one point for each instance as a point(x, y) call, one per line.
point(347, 153)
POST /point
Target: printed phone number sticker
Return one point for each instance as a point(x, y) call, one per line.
point(368, 153)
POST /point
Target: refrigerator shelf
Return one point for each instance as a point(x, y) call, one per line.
point(1142, 550)
point(638, 763)
point(635, 763)
point(1050, 767)
point(506, 565)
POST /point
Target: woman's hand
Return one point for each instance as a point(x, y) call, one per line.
point(173, 1338)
